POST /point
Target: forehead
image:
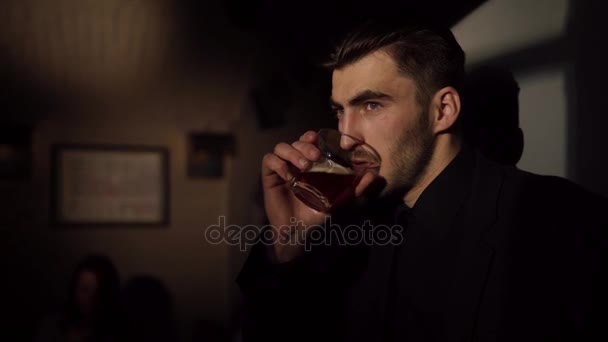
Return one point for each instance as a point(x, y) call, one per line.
point(376, 71)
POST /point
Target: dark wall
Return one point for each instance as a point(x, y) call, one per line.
point(588, 116)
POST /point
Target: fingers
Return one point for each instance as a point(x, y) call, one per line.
point(367, 179)
point(294, 156)
point(310, 151)
point(370, 185)
point(309, 137)
point(307, 145)
point(287, 159)
point(272, 164)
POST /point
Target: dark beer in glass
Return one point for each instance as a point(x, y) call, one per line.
point(332, 180)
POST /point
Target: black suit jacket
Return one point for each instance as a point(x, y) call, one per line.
point(519, 259)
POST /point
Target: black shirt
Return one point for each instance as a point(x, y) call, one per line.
point(428, 224)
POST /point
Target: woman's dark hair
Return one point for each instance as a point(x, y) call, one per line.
point(108, 290)
point(430, 55)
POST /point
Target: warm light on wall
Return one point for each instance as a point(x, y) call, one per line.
point(97, 44)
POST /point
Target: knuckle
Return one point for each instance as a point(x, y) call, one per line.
point(303, 147)
point(297, 145)
point(307, 135)
point(282, 149)
point(267, 162)
point(277, 147)
point(282, 167)
point(267, 159)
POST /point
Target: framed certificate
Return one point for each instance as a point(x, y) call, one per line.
point(109, 185)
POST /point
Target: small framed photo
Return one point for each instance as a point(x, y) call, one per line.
point(96, 185)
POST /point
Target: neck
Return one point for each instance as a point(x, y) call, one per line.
point(446, 148)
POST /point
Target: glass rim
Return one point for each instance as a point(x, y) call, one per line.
point(359, 142)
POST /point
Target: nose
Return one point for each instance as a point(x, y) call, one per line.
point(349, 125)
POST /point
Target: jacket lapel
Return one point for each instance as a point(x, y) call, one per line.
point(474, 255)
point(442, 277)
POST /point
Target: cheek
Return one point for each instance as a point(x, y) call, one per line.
point(384, 143)
point(387, 155)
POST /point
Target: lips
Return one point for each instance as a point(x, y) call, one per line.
point(362, 165)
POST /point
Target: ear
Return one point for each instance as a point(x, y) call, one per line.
point(445, 107)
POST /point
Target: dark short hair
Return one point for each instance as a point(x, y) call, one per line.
point(430, 55)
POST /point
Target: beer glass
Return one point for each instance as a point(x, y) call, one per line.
point(332, 179)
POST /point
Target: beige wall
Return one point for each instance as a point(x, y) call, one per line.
point(501, 29)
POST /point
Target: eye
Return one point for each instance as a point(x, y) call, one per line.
point(338, 112)
point(372, 106)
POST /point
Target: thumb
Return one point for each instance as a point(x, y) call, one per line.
point(364, 183)
point(370, 185)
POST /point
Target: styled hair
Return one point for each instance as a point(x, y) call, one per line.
point(429, 55)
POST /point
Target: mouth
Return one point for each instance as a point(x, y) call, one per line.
point(360, 165)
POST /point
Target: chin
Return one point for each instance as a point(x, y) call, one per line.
point(396, 189)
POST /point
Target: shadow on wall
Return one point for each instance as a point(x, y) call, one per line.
point(497, 134)
point(577, 51)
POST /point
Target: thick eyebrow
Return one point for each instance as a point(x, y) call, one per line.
point(362, 97)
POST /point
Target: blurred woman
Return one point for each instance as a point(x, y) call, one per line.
point(91, 312)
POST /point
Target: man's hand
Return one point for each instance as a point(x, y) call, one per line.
point(283, 209)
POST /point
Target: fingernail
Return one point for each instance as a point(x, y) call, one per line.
point(303, 162)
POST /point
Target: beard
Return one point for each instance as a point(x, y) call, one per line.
point(410, 154)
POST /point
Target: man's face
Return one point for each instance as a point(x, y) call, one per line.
point(377, 104)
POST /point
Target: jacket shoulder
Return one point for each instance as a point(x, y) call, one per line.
point(554, 190)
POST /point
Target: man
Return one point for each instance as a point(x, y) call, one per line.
point(487, 253)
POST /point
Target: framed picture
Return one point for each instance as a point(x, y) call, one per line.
point(109, 185)
point(206, 152)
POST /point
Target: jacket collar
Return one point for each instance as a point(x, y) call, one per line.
point(444, 197)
